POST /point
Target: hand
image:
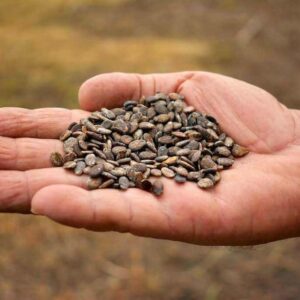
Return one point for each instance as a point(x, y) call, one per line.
point(257, 200)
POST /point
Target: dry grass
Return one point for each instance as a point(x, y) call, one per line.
point(49, 47)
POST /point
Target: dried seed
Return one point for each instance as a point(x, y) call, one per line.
point(106, 184)
point(182, 152)
point(126, 139)
point(146, 125)
point(207, 162)
point(69, 165)
point(94, 183)
point(194, 176)
point(239, 151)
point(80, 166)
point(167, 172)
point(171, 160)
point(90, 160)
point(147, 155)
point(226, 162)
point(224, 151)
point(165, 139)
point(137, 145)
point(162, 150)
point(120, 126)
point(56, 159)
point(96, 170)
point(124, 183)
point(66, 135)
point(180, 179)
point(195, 156)
point(182, 171)
point(205, 183)
point(157, 187)
point(156, 172)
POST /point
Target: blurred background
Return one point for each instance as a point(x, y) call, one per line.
point(48, 48)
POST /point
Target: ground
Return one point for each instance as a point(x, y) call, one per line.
point(48, 48)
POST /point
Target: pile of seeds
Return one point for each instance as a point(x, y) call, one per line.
point(157, 136)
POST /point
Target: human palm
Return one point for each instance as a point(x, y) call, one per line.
point(258, 199)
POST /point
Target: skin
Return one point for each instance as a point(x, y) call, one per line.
point(257, 200)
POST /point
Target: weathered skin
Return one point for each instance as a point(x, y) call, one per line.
point(258, 200)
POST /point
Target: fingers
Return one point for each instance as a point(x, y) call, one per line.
point(174, 215)
point(109, 90)
point(133, 211)
point(17, 188)
point(26, 153)
point(38, 123)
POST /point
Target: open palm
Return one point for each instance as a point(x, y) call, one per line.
point(258, 199)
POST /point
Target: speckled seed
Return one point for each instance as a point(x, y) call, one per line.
point(96, 170)
point(165, 139)
point(163, 118)
point(120, 126)
point(156, 172)
point(228, 142)
point(56, 159)
point(69, 165)
point(103, 130)
point(124, 183)
point(162, 150)
point(167, 172)
point(183, 152)
point(80, 166)
point(126, 139)
point(226, 162)
point(146, 125)
point(147, 155)
point(224, 151)
point(195, 155)
point(180, 179)
point(69, 156)
point(137, 145)
point(69, 144)
point(65, 135)
point(205, 183)
point(207, 162)
point(140, 167)
point(182, 171)
point(239, 151)
point(90, 160)
point(194, 176)
point(106, 184)
point(157, 187)
point(94, 183)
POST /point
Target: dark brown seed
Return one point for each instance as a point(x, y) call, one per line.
point(151, 112)
point(80, 166)
point(194, 176)
point(106, 184)
point(69, 156)
point(179, 134)
point(186, 165)
point(167, 172)
point(195, 155)
point(239, 151)
point(56, 159)
point(157, 187)
point(165, 139)
point(124, 183)
point(146, 185)
point(107, 124)
point(224, 151)
point(69, 144)
point(161, 158)
point(180, 179)
point(226, 162)
point(205, 183)
point(90, 160)
point(162, 150)
point(94, 183)
point(140, 167)
point(108, 113)
point(173, 150)
point(146, 125)
point(124, 160)
point(99, 153)
point(183, 152)
point(65, 135)
point(135, 157)
point(163, 118)
point(171, 160)
point(109, 175)
point(182, 171)
point(151, 146)
point(69, 165)
point(120, 126)
point(156, 172)
point(119, 150)
point(147, 155)
point(207, 162)
point(82, 144)
point(137, 145)
point(96, 170)
point(126, 139)
point(182, 143)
